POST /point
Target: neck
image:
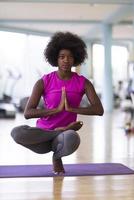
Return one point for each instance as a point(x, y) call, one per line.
point(64, 75)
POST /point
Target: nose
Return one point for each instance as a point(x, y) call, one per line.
point(66, 59)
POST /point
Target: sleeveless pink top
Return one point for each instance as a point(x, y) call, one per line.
point(75, 89)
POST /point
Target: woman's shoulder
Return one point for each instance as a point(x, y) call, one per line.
point(79, 76)
point(38, 85)
point(48, 76)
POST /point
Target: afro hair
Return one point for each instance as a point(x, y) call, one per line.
point(69, 41)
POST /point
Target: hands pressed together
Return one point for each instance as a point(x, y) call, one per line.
point(65, 105)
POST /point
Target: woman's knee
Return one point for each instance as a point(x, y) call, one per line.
point(66, 143)
point(72, 138)
point(17, 133)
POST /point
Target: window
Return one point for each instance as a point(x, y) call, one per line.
point(119, 64)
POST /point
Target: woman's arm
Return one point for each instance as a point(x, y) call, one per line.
point(95, 107)
point(31, 110)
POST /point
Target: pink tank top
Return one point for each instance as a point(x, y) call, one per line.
point(75, 89)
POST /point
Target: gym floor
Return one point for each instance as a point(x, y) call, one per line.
point(102, 140)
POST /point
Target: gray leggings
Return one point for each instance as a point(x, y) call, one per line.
point(43, 141)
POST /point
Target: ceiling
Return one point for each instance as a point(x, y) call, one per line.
point(84, 17)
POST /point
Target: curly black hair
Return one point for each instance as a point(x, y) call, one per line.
point(69, 41)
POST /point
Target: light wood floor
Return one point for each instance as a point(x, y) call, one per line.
point(102, 140)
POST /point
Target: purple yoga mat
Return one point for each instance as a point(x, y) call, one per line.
point(92, 169)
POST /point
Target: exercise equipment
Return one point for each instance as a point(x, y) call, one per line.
point(7, 107)
point(7, 110)
point(84, 169)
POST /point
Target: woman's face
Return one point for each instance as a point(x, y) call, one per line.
point(65, 60)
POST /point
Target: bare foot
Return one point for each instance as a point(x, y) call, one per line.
point(75, 125)
point(58, 167)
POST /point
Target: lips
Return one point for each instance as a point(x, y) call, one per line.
point(65, 67)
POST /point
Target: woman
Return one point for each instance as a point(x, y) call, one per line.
point(62, 91)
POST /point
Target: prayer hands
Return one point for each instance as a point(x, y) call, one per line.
point(64, 103)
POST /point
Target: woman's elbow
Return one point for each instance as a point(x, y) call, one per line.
point(101, 111)
point(26, 115)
